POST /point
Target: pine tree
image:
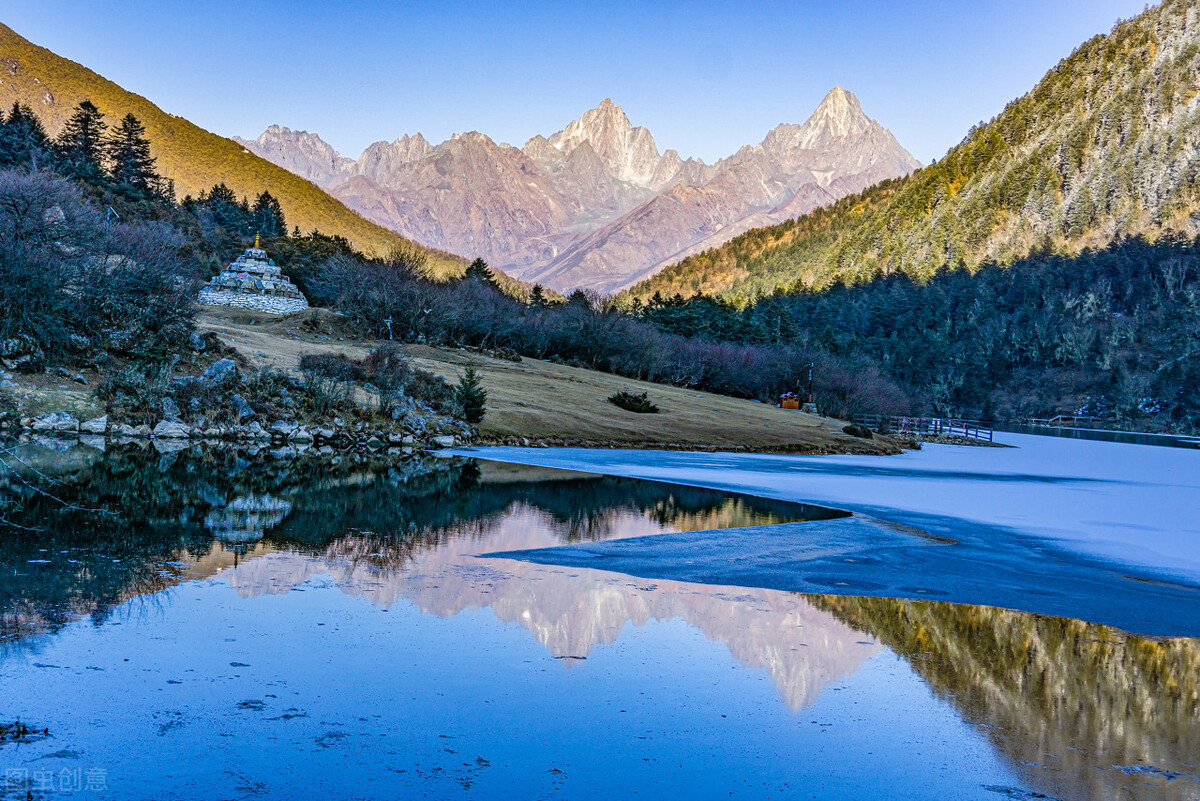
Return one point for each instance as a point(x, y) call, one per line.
point(22, 138)
point(220, 193)
point(128, 152)
point(80, 145)
point(267, 216)
point(471, 397)
point(227, 211)
point(479, 269)
point(537, 296)
point(165, 189)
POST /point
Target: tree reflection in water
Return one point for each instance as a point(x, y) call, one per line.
point(87, 531)
point(1069, 702)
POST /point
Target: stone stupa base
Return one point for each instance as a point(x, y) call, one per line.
point(272, 304)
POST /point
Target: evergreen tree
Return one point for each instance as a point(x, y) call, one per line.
point(537, 296)
point(128, 152)
point(267, 216)
point(165, 188)
point(479, 269)
point(220, 193)
point(471, 397)
point(80, 145)
point(227, 212)
point(22, 138)
point(1081, 213)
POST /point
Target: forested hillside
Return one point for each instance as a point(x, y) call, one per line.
point(193, 158)
point(1106, 145)
point(1112, 334)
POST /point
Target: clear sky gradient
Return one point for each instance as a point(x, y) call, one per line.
point(704, 77)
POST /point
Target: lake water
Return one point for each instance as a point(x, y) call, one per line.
point(248, 627)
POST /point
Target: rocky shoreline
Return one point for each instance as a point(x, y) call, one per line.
point(335, 436)
point(214, 411)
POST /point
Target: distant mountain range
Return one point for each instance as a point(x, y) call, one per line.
point(192, 157)
point(1106, 146)
point(594, 206)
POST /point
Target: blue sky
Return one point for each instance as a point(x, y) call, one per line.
point(704, 77)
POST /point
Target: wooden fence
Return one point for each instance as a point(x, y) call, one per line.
point(925, 426)
point(1064, 420)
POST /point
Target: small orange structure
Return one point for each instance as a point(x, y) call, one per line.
point(789, 400)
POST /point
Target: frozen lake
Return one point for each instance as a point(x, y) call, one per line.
point(1100, 531)
point(241, 627)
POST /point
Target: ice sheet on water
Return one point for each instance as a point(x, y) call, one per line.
point(1135, 507)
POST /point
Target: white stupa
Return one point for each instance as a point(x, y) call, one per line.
point(254, 281)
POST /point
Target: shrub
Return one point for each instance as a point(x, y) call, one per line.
point(389, 370)
point(335, 366)
point(135, 394)
point(195, 396)
point(433, 389)
point(268, 392)
point(65, 275)
point(630, 402)
point(8, 406)
point(855, 430)
point(329, 380)
point(584, 333)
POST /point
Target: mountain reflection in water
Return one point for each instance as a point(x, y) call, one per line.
point(570, 612)
point(1079, 710)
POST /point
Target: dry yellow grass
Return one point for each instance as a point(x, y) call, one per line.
point(557, 404)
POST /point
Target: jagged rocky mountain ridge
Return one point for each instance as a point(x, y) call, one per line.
point(596, 205)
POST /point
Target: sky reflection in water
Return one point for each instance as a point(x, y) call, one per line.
point(343, 638)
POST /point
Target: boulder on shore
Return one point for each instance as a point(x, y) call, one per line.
point(284, 428)
point(256, 431)
point(58, 422)
point(242, 408)
point(171, 429)
point(220, 372)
